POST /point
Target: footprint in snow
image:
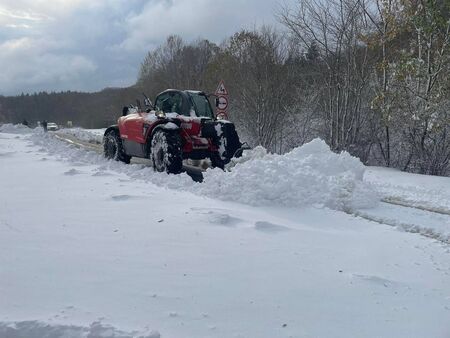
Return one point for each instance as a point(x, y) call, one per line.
point(73, 172)
point(208, 210)
point(7, 154)
point(376, 280)
point(101, 173)
point(218, 216)
point(268, 227)
point(126, 197)
point(78, 164)
point(221, 219)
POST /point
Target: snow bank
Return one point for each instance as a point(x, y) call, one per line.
point(36, 329)
point(71, 153)
point(14, 129)
point(310, 174)
point(87, 135)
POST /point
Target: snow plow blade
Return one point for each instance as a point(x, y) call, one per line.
point(240, 151)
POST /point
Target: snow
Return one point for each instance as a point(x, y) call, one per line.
point(411, 202)
point(151, 116)
point(308, 175)
point(14, 128)
point(432, 192)
point(413, 191)
point(170, 125)
point(222, 140)
point(433, 225)
point(390, 185)
point(91, 135)
point(96, 248)
point(218, 128)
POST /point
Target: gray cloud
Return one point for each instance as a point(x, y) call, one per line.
point(87, 45)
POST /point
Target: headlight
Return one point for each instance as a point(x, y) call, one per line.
point(160, 114)
point(221, 116)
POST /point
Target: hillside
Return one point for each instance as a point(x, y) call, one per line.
point(90, 110)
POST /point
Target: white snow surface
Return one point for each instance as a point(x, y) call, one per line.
point(14, 128)
point(86, 135)
point(95, 248)
point(311, 174)
point(431, 192)
point(424, 202)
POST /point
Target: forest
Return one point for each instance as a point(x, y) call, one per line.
point(371, 77)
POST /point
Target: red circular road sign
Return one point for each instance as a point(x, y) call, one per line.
point(222, 103)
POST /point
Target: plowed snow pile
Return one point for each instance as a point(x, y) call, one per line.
point(310, 174)
point(14, 128)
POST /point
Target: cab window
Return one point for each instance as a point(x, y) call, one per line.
point(201, 105)
point(170, 102)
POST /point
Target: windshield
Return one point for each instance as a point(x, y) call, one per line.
point(201, 105)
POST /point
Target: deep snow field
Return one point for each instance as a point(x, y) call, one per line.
point(307, 244)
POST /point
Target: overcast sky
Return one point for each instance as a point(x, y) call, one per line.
point(86, 45)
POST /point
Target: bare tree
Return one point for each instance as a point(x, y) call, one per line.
point(260, 91)
point(176, 65)
point(334, 28)
point(385, 18)
point(423, 77)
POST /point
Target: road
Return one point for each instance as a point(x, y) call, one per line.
point(194, 172)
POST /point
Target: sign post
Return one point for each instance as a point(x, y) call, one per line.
point(221, 100)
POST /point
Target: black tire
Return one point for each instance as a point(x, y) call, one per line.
point(113, 148)
point(166, 153)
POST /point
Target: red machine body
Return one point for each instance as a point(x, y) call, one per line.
point(180, 125)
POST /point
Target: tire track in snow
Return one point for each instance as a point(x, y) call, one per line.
point(426, 223)
point(194, 172)
point(404, 203)
point(79, 143)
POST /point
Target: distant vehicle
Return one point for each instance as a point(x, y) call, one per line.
point(52, 126)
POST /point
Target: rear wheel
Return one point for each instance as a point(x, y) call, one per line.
point(166, 153)
point(113, 149)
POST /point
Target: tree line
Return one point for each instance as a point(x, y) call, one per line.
point(368, 76)
point(89, 110)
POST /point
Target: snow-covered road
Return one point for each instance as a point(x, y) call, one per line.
point(92, 248)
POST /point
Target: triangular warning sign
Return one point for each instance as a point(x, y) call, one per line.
point(221, 90)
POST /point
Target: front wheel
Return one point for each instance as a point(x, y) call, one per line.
point(166, 153)
point(113, 149)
